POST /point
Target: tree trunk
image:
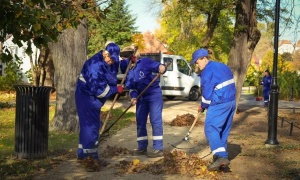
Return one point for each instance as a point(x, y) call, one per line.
point(49, 70)
point(69, 54)
point(212, 22)
point(246, 36)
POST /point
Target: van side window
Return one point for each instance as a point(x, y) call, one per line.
point(182, 66)
point(169, 60)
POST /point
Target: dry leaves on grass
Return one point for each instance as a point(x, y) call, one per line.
point(290, 115)
point(103, 115)
point(185, 120)
point(92, 165)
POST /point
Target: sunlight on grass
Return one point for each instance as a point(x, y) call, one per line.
point(61, 145)
point(7, 124)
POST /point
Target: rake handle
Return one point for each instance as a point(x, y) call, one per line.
point(142, 93)
point(117, 95)
point(190, 130)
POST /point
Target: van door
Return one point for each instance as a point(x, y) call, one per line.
point(177, 81)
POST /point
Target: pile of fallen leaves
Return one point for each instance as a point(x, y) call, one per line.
point(92, 165)
point(112, 151)
point(185, 120)
point(175, 162)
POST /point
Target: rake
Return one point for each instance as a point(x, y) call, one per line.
point(185, 143)
point(141, 94)
point(117, 95)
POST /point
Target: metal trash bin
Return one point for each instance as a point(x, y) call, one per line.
point(32, 121)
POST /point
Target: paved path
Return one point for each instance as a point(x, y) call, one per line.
point(252, 112)
point(172, 107)
point(180, 106)
point(250, 100)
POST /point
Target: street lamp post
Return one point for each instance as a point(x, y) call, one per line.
point(273, 105)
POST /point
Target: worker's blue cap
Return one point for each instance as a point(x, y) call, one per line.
point(114, 51)
point(200, 53)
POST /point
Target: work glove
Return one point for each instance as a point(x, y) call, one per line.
point(200, 109)
point(120, 89)
point(133, 59)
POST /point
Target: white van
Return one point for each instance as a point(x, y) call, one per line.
point(179, 80)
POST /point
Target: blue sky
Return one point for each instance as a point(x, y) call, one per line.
point(145, 19)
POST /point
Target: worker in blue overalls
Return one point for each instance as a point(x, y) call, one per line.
point(266, 82)
point(97, 81)
point(150, 103)
point(218, 97)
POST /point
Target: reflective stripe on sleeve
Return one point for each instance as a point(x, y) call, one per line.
point(203, 100)
point(131, 90)
point(223, 84)
point(105, 92)
point(82, 78)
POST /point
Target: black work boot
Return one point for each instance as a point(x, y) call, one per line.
point(139, 152)
point(215, 157)
point(217, 163)
point(155, 153)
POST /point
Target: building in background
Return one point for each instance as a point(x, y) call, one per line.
point(285, 46)
point(297, 45)
point(15, 50)
point(153, 45)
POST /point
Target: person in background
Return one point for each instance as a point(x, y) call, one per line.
point(218, 97)
point(266, 82)
point(150, 103)
point(97, 81)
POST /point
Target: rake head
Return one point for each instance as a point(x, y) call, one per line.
point(184, 144)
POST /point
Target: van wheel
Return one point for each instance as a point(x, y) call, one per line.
point(194, 94)
point(170, 97)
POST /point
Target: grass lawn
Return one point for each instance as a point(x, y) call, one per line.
point(61, 146)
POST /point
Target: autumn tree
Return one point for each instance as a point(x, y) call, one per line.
point(61, 26)
point(70, 52)
point(246, 36)
point(296, 60)
point(287, 77)
point(117, 26)
point(188, 25)
point(265, 43)
point(138, 40)
point(214, 15)
point(283, 65)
